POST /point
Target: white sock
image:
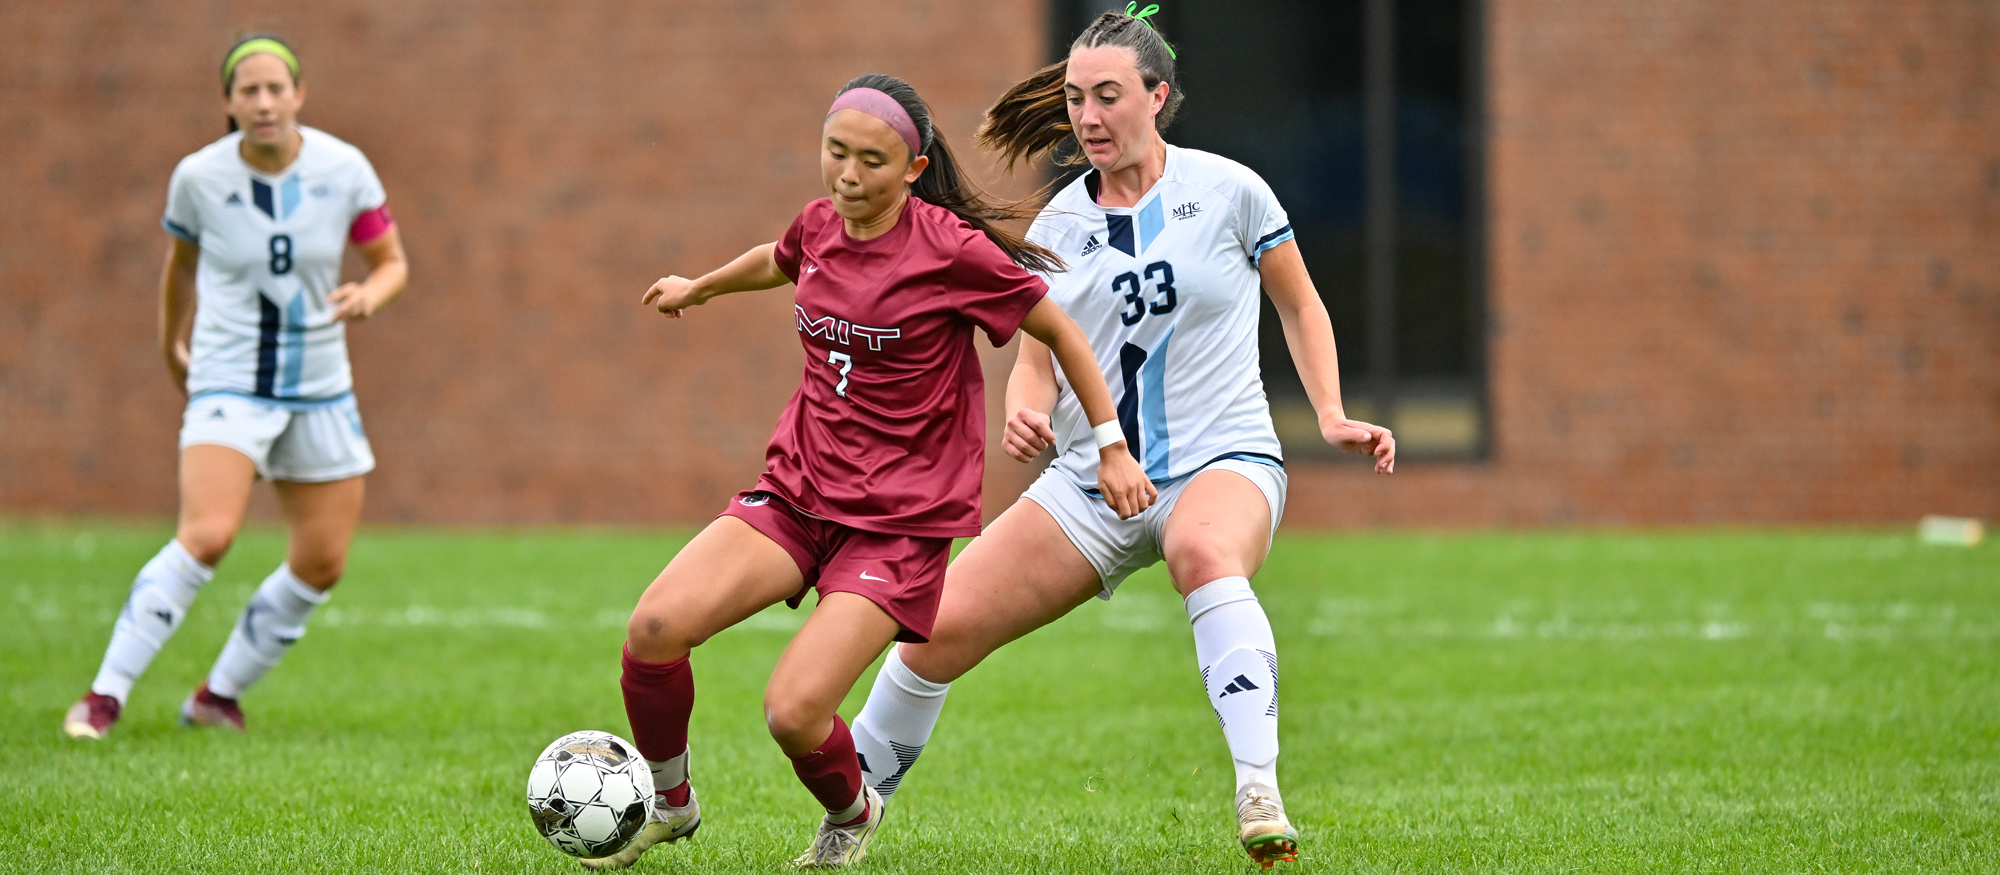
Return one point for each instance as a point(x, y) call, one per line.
point(159, 601)
point(274, 619)
point(894, 726)
point(668, 774)
point(1239, 666)
point(852, 812)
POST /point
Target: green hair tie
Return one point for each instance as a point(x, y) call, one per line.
point(1142, 14)
point(259, 46)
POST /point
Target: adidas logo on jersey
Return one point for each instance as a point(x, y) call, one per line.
point(1187, 210)
point(1091, 246)
point(234, 200)
point(1238, 684)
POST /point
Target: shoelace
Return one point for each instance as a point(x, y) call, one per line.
point(1257, 806)
point(832, 844)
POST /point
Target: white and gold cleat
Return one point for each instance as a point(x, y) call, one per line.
point(1267, 836)
point(665, 824)
point(843, 845)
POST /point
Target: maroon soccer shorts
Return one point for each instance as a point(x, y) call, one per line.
point(902, 575)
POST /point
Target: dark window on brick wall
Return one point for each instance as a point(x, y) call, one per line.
point(1284, 86)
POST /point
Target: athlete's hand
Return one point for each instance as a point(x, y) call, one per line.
point(1122, 482)
point(1362, 439)
point(1027, 434)
point(352, 303)
point(671, 295)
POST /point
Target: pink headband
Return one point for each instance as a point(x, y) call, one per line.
point(880, 105)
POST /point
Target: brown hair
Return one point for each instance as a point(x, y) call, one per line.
point(229, 70)
point(943, 184)
point(1032, 118)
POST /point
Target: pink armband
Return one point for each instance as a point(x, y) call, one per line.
point(370, 225)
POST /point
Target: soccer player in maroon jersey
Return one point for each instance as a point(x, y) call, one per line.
point(876, 463)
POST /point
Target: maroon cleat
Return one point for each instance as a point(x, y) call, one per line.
point(91, 717)
point(204, 708)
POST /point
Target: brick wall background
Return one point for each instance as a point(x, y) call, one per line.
point(1744, 258)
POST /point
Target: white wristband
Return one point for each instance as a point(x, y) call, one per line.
point(1107, 433)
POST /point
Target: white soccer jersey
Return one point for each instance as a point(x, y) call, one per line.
point(270, 255)
point(1167, 292)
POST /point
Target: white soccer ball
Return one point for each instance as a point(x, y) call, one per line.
point(588, 793)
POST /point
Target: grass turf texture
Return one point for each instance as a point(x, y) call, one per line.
point(1477, 703)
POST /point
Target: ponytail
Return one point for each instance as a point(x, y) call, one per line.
point(943, 184)
point(1032, 118)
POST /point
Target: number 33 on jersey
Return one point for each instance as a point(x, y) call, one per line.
point(1168, 291)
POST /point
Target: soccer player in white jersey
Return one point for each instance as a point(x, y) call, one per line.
point(1166, 249)
point(258, 220)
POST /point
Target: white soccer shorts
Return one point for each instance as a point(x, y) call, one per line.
point(1116, 547)
point(298, 441)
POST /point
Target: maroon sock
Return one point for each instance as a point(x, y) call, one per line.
point(833, 771)
point(659, 696)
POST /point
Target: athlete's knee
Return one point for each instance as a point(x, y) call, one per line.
point(319, 572)
point(652, 637)
point(796, 723)
point(206, 540)
point(1194, 565)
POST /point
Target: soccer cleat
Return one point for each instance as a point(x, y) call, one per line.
point(204, 708)
point(843, 845)
point(1266, 835)
point(665, 824)
point(91, 717)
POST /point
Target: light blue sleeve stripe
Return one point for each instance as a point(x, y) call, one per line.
point(1268, 243)
point(179, 231)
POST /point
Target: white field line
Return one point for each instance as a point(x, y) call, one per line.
point(1145, 612)
point(1627, 621)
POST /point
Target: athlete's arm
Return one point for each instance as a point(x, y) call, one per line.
point(177, 297)
point(752, 271)
point(1031, 394)
point(388, 273)
point(1119, 476)
point(1309, 334)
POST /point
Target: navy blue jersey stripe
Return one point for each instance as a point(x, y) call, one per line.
point(269, 321)
point(1273, 236)
point(1118, 233)
point(1130, 359)
point(261, 194)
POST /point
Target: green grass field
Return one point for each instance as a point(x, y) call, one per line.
point(1704, 702)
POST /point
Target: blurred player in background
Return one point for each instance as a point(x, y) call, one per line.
point(876, 463)
point(1167, 248)
point(259, 221)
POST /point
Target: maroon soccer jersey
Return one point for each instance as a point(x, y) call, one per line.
point(887, 431)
